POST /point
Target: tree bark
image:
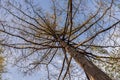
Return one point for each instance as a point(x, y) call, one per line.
point(93, 72)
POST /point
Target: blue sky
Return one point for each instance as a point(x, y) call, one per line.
point(44, 4)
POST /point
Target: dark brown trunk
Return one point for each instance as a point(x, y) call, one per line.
point(93, 72)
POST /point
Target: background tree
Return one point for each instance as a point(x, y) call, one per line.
point(2, 61)
point(79, 31)
point(1, 66)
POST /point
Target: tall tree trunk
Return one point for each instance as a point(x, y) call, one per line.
point(93, 72)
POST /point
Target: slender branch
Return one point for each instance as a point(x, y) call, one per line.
point(66, 22)
point(54, 53)
point(63, 64)
point(67, 68)
point(71, 19)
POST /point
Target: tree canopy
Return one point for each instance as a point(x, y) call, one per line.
point(39, 38)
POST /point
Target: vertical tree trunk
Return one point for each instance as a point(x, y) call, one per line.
point(93, 72)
